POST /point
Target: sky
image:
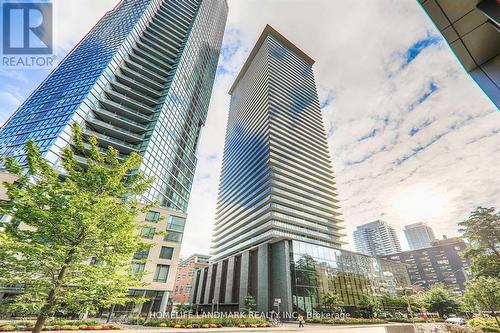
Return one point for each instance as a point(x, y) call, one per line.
point(412, 137)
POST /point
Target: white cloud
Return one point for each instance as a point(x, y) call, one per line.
point(360, 51)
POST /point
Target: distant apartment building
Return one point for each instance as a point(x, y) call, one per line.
point(419, 235)
point(184, 277)
point(472, 28)
point(440, 262)
point(376, 238)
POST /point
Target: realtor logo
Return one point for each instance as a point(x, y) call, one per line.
point(27, 33)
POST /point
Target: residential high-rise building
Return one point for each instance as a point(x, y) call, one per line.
point(419, 235)
point(440, 262)
point(276, 179)
point(277, 233)
point(139, 81)
point(376, 238)
point(184, 277)
point(472, 28)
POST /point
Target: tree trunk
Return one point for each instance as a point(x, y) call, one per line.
point(48, 307)
point(496, 318)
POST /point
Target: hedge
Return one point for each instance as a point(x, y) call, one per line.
point(346, 321)
point(203, 322)
point(59, 325)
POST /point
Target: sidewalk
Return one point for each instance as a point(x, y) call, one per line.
point(287, 327)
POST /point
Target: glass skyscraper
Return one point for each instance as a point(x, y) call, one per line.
point(277, 231)
point(419, 235)
point(276, 178)
point(376, 238)
point(140, 81)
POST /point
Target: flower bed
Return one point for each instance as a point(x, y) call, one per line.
point(414, 320)
point(485, 324)
point(202, 322)
point(346, 321)
point(58, 325)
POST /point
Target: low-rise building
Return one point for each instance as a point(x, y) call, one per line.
point(441, 262)
point(290, 275)
point(184, 277)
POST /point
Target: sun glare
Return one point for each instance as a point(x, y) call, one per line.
point(420, 202)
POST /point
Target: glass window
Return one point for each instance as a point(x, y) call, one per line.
point(148, 232)
point(161, 273)
point(176, 223)
point(173, 236)
point(136, 268)
point(141, 255)
point(152, 216)
point(166, 252)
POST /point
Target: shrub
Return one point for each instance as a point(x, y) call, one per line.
point(461, 329)
point(346, 321)
point(7, 328)
point(485, 324)
point(206, 322)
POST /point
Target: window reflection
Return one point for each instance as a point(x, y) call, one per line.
point(317, 270)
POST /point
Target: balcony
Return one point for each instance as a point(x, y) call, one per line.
point(157, 45)
point(120, 121)
point(125, 111)
point(132, 93)
point(114, 131)
point(168, 29)
point(148, 52)
point(106, 141)
point(129, 102)
point(135, 73)
point(128, 81)
point(171, 44)
point(149, 65)
point(159, 29)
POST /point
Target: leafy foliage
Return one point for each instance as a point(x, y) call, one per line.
point(440, 299)
point(197, 322)
point(331, 303)
point(370, 305)
point(249, 304)
point(184, 308)
point(482, 230)
point(484, 292)
point(67, 218)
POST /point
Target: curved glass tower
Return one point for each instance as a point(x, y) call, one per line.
point(141, 81)
point(276, 180)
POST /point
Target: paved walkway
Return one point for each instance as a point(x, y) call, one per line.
point(289, 327)
point(315, 328)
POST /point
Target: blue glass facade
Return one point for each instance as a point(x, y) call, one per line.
point(140, 81)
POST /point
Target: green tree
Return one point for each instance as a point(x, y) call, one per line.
point(482, 230)
point(67, 220)
point(440, 299)
point(182, 308)
point(331, 302)
point(484, 294)
point(249, 304)
point(369, 304)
